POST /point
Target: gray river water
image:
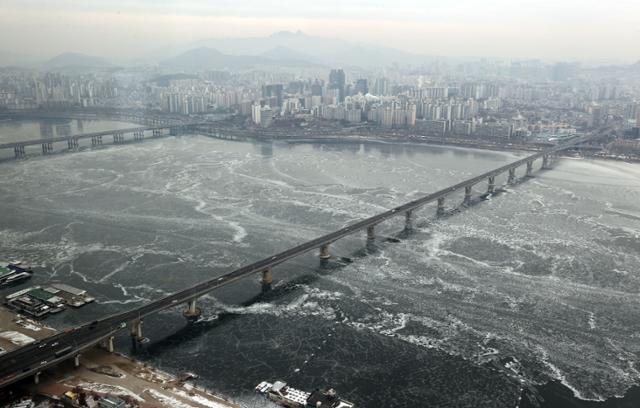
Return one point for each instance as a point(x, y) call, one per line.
point(540, 282)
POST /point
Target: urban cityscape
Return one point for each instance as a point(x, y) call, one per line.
point(263, 205)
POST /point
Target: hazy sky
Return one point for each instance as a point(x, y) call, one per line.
point(558, 29)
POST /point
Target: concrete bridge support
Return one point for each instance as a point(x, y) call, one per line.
point(529, 169)
point(76, 360)
point(512, 176)
point(47, 148)
point(440, 210)
point(36, 378)
point(193, 312)
point(467, 195)
point(408, 221)
point(108, 344)
point(492, 185)
point(20, 152)
point(136, 332)
point(267, 279)
point(324, 252)
point(72, 143)
point(371, 233)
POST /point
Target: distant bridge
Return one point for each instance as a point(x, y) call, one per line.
point(118, 136)
point(32, 359)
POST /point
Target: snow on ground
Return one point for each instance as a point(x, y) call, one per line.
point(199, 399)
point(110, 389)
point(17, 338)
point(167, 400)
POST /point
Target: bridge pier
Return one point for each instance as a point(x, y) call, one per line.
point(371, 233)
point(267, 279)
point(136, 333)
point(21, 151)
point(36, 378)
point(546, 162)
point(467, 195)
point(193, 312)
point(108, 344)
point(529, 168)
point(47, 148)
point(408, 220)
point(492, 185)
point(72, 143)
point(76, 360)
point(324, 252)
point(440, 210)
point(512, 176)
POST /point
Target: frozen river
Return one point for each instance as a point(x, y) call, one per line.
point(538, 283)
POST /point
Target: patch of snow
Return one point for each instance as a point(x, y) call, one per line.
point(166, 400)
point(28, 324)
point(199, 399)
point(110, 389)
point(17, 338)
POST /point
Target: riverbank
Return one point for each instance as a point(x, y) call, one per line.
point(555, 395)
point(481, 146)
point(100, 374)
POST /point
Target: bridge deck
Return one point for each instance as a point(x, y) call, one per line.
point(80, 136)
point(31, 142)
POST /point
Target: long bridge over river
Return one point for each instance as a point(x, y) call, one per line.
point(32, 359)
point(118, 136)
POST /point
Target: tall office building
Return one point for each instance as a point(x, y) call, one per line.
point(273, 91)
point(337, 81)
point(316, 88)
point(255, 113)
point(266, 116)
point(362, 86)
point(382, 86)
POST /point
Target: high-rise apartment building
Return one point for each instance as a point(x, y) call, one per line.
point(337, 81)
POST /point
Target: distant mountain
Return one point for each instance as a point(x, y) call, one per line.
point(284, 53)
point(209, 58)
point(327, 51)
point(76, 60)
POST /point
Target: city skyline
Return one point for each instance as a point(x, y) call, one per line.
point(568, 30)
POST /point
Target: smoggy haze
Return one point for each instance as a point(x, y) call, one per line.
point(556, 30)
